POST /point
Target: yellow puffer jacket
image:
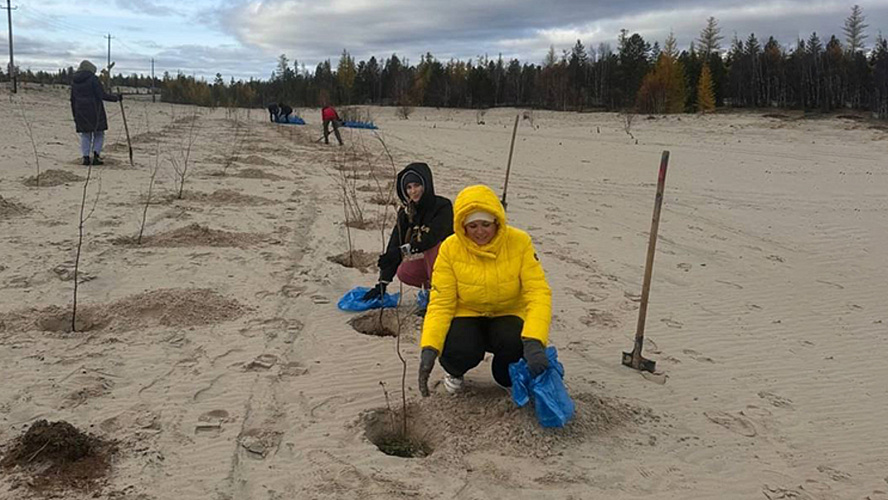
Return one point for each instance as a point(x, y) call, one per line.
point(502, 278)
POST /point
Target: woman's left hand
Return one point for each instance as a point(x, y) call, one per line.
point(535, 356)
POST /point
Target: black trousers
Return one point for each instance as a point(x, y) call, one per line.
point(335, 124)
point(469, 338)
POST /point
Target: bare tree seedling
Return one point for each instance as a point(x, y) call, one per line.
point(148, 196)
point(82, 221)
point(30, 133)
point(180, 159)
point(628, 117)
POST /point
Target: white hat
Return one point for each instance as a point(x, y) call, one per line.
point(479, 215)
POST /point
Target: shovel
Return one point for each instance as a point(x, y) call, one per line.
point(634, 359)
point(509, 164)
point(126, 128)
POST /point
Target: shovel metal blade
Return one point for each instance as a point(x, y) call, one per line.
point(638, 363)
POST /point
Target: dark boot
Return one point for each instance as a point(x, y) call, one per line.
point(86, 160)
point(97, 160)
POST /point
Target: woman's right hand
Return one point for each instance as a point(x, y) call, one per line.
point(426, 363)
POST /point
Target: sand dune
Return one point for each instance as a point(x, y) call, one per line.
point(218, 360)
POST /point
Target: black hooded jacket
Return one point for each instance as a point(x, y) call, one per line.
point(431, 222)
point(87, 95)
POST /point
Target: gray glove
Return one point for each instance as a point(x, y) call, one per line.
point(535, 355)
point(426, 363)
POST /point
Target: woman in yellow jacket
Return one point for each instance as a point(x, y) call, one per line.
point(489, 294)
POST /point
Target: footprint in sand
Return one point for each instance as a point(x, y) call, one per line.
point(211, 422)
point(834, 474)
point(775, 400)
point(293, 369)
point(696, 356)
point(262, 362)
point(260, 442)
point(684, 266)
point(671, 323)
point(737, 425)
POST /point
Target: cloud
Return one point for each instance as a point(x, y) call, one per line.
point(244, 37)
point(149, 7)
point(311, 31)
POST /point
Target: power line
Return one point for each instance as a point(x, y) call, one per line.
point(54, 21)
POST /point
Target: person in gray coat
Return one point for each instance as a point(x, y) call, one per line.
point(88, 109)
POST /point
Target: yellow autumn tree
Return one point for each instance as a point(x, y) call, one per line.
point(346, 73)
point(705, 91)
point(663, 90)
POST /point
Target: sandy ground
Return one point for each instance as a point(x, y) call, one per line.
point(215, 355)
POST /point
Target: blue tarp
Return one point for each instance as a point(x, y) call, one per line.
point(359, 124)
point(352, 300)
point(295, 120)
point(551, 402)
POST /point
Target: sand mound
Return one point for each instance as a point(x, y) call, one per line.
point(373, 188)
point(257, 160)
point(9, 208)
point(365, 224)
point(385, 200)
point(483, 418)
point(358, 259)
point(166, 307)
point(53, 178)
point(57, 456)
point(192, 235)
point(227, 197)
point(255, 173)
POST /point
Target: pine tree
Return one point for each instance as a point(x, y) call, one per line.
point(853, 29)
point(710, 37)
point(705, 91)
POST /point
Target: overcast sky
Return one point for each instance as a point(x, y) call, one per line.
point(243, 38)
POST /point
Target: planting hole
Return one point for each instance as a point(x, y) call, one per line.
point(384, 429)
point(358, 259)
point(370, 323)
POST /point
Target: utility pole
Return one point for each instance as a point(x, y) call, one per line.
point(153, 98)
point(108, 67)
point(109, 50)
point(9, 10)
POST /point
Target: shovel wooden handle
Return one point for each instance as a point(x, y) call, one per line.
point(129, 143)
point(649, 264)
point(509, 164)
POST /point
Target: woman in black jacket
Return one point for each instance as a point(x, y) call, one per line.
point(87, 95)
point(423, 222)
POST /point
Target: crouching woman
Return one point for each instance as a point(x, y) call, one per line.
point(423, 222)
point(489, 294)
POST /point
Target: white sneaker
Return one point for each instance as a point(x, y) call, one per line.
point(452, 384)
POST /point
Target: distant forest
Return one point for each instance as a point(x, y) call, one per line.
point(815, 74)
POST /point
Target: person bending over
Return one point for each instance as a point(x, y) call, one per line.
point(330, 117)
point(422, 223)
point(284, 113)
point(273, 111)
point(489, 294)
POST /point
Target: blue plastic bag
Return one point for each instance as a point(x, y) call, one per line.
point(422, 299)
point(359, 124)
point(551, 402)
point(353, 300)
